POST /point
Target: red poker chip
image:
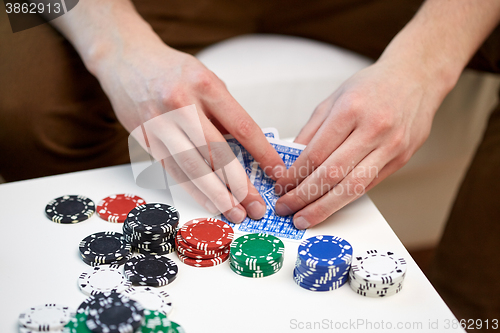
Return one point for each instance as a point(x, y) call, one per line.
point(188, 254)
point(184, 247)
point(203, 262)
point(207, 234)
point(115, 208)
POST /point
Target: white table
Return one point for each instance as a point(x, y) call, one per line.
point(40, 264)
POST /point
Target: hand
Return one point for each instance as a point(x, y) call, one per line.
point(366, 130)
point(145, 82)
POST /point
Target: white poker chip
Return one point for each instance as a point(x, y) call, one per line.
point(151, 298)
point(46, 317)
point(379, 267)
point(103, 279)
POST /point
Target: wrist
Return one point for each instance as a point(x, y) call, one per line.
point(424, 63)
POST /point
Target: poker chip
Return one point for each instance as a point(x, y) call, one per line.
point(77, 324)
point(46, 317)
point(201, 256)
point(104, 247)
point(203, 262)
point(156, 252)
point(255, 273)
point(183, 247)
point(325, 251)
point(70, 209)
point(151, 228)
point(117, 262)
point(151, 298)
point(102, 279)
point(254, 250)
point(207, 234)
point(323, 287)
point(29, 330)
point(151, 270)
point(207, 244)
point(154, 217)
point(377, 273)
point(256, 255)
point(115, 208)
point(157, 322)
point(323, 263)
point(115, 314)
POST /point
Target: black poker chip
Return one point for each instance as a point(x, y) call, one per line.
point(151, 270)
point(104, 247)
point(70, 209)
point(154, 218)
point(115, 314)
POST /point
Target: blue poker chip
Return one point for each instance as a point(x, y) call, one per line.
point(325, 251)
point(316, 278)
point(70, 209)
point(332, 285)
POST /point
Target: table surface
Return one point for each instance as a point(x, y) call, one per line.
point(40, 264)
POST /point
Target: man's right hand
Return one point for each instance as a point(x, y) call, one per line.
point(144, 79)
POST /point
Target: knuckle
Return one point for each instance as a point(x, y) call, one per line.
point(191, 165)
point(320, 212)
point(204, 80)
point(316, 157)
point(173, 98)
point(221, 154)
point(245, 128)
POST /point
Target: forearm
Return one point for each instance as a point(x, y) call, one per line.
point(442, 37)
point(99, 28)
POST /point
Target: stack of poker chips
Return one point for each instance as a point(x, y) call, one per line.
point(117, 312)
point(377, 273)
point(151, 228)
point(204, 242)
point(323, 263)
point(257, 255)
point(105, 248)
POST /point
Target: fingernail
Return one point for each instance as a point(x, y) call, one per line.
point(236, 215)
point(301, 223)
point(279, 171)
point(282, 209)
point(256, 210)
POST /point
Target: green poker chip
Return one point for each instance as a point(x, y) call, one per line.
point(254, 250)
point(157, 322)
point(262, 268)
point(77, 324)
point(255, 274)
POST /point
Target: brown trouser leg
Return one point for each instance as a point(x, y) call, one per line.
point(466, 267)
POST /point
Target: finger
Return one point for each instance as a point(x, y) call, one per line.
point(202, 134)
point(317, 118)
point(335, 168)
point(237, 122)
point(350, 188)
point(176, 172)
point(192, 163)
point(170, 166)
point(230, 171)
point(332, 133)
